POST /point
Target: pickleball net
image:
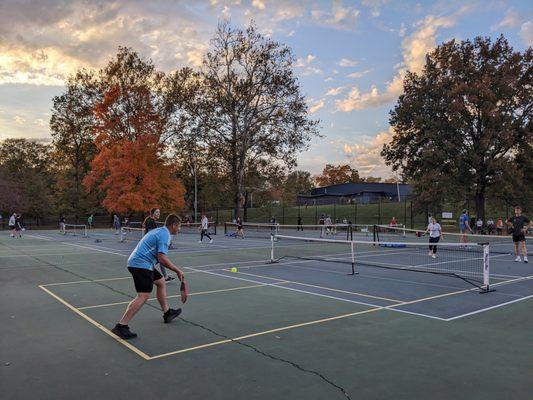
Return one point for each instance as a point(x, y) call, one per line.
point(185, 228)
point(131, 234)
point(75, 230)
point(265, 230)
point(470, 263)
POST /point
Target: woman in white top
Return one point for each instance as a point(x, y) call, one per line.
point(435, 233)
point(12, 224)
point(204, 229)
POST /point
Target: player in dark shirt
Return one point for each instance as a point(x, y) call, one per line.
point(518, 226)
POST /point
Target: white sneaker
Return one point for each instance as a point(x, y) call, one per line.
point(517, 259)
point(434, 256)
point(430, 253)
point(211, 241)
point(199, 241)
point(525, 260)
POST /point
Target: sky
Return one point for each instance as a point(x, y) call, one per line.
point(351, 56)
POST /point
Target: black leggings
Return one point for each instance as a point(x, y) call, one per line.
point(205, 233)
point(433, 247)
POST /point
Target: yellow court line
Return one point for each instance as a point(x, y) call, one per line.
point(325, 288)
point(285, 328)
point(174, 296)
point(96, 324)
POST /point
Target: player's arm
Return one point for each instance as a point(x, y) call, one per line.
point(165, 262)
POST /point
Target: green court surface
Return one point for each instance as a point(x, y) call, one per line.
point(290, 330)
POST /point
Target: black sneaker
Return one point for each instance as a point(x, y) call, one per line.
point(123, 332)
point(171, 314)
point(169, 278)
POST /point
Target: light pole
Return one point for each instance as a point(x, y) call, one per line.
point(195, 190)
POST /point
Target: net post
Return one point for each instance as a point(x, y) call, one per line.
point(271, 248)
point(225, 229)
point(352, 245)
point(85, 231)
point(486, 269)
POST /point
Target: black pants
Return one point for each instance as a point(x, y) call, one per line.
point(299, 227)
point(205, 232)
point(433, 247)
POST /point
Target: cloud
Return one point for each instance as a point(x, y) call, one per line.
point(339, 17)
point(19, 120)
point(358, 74)
point(258, 4)
point(345, 62)
point(317, 106)
point(365, 155)
point(305, 64)
point(414, 50)
point(512, 19)
point(334, 91)
point(526, 33)
point(43, 42)
point(374, 6)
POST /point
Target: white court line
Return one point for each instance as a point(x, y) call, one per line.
point(488, 308)
point(39, 255)
point(40, 237)
point(95, 249)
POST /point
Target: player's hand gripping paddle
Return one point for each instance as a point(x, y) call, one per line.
point(184, 292)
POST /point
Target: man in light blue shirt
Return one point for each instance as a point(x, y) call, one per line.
point(152, 248)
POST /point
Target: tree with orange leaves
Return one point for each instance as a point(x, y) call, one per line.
point(130, 170)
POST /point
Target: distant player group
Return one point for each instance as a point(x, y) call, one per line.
point(517, 226)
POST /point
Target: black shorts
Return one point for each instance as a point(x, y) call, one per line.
point(144, 279)
point(519, 238)
point(11, 227)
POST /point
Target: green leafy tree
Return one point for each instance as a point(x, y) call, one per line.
point(26, 168)
point(296, 182)
point(462, 122)
point(72, 126)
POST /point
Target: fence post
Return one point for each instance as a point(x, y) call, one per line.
point(379, 211)
point(411, 206)
point(405, 212)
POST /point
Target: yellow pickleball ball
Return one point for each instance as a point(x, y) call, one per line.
point(234, 269)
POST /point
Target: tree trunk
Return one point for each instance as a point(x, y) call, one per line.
point(245, 206)
point(480, 203)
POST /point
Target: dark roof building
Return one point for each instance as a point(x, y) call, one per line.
point(355, 192)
